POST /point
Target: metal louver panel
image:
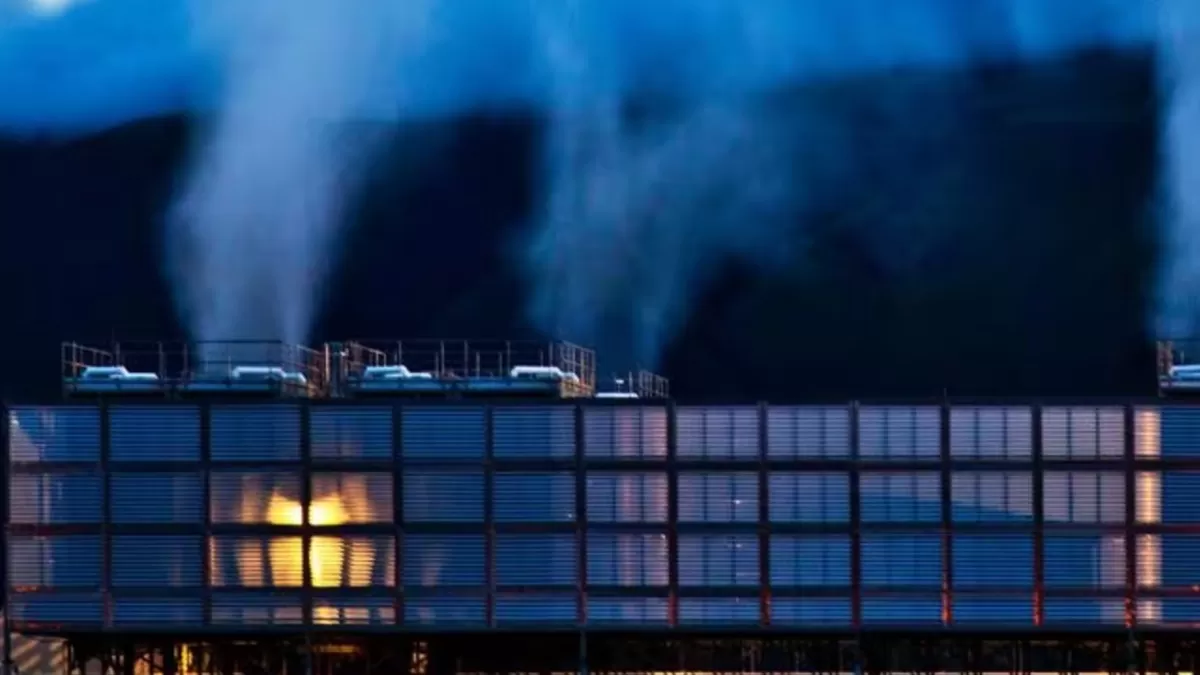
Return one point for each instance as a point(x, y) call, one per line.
point(536, 560)
point(809, 497)
point(718, 611)
point(173, 498)
point(167, 561)
point(905, 433)
point(808, 432)
point(910, 560)
point(901, 610)
point(810, 612)
point(54, 434)
point(991, 433)
point(718, 497)
point(809, 561)
point(443, 433)
point(627, 559)
point(445, 611)
point(1060, 611)
point(1148, 561)
point(1178, 432)
point(534, 497)
point(992, 561)
point(1180, 612)
point(625, 432)
point(534, 609)
point(1008, 611)
point(156, 612)
point(533, 433)
point(627, 611)
point(255, 498)
point(1083, 433)
point(1179, 502)
point(54, 498)
point(911, 497)
point(1084, 561)
point(627, 497)
point(1148, 434)
point(62, 609)
point(247, 433)
point(718, 560)
point(353, 561)
point(1180, 561)
point(256, 609)
point(443, 496)
point(65, 561)
point(351, 498)
point(437, 560)
point(991, 496)
point(154, 433)
point(717, 433)
point(351, 432)
point(256, 562)
point(1084, 497)
point(331, 611)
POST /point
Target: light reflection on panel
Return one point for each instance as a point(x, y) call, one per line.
point(331, 611)
point(443, 496)
point(530, 432)
point(436, 560)
point(255, 562)
point(54, 498)
point(724, 432)
point(54, 562)
point(810, 560)
point(1169, 611)
point(627, 497)
point(810, 612)
point(445, 611)
point(1084, 560)
point(627, 611)
point(1083, 432)
point(246, 433)
point(169, 498)
point(899, 432)
point(991, 432)
point(534, 497)
point(627, 559)
point(718, 497)
point(54, 434)
point(625, 432)
point(174, 561)
point(907, 560)
point(536, 559)
point(1169, 432)
point(718, 560)
point(441, 434)
point(718, 611)
point(909, 497)
point(1084, 497)
point(255, 498)
point(526, 609)
point(256, 609)
point(352, 561)
point(991, 496)
point(351, 498)
point(351, 432)
point(157, 612)
point(809, 497)
point(808, 432)
point(992, 560)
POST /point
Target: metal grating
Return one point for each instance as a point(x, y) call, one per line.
point(351, 498)
point(535, 609)
point(154, 433)
point(1008, 611)
point(62, 609)
point(353, 561)
point(54, 498)
point(533, 433)
point(992, 561)
point(627, 611)
point(1084, 561)
point(808, 432)
point(255, 498)
point(65, 561)
point(256, 562)
point(809, 497)
point(1083, 433)
point(901, 611)
point(443, 496)
point(1084, 497)
point(53, 434)
point(809, 561)
point(627, 559)
point(718, 497)
point(991, 432)
point(909, 560)
point(333, 611)
point(256, 609)
point(162, 561)
point(445, 611)
point(899, 432)
point(811, 612)
point(718, 611)
point(536, 560)
point(534, 497)
point(627, 497)
point(247, 433)
point(717, 433)
point(625, 432)
point(718, 560)
point(436, 560)
point(351, 433)
point(991, 496)
point(170, 498)
point(443, 433)
point(911, 497)
point(1180, 496)
point(157, 612)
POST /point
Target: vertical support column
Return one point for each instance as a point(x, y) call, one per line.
point(306, 496)
point(947, 514)
point(1129, 471)
point(764, 516)
point(489, 516)
point(672, 517)
point(1039, 520)
point(581, 519)
point(855, 523)
point(105, 515)
point(205, 412)
point(398, 507)
point(5, 452)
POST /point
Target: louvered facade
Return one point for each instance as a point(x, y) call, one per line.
point(609, 515)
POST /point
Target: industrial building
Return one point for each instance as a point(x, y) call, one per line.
point(517, 518)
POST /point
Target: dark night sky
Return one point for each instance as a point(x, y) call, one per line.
point(1031, 278)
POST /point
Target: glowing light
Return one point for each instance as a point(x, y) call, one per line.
point(50, 8)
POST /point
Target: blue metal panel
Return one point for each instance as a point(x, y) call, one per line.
point(65, 561)
point(625, 432)
point(718, 611)
point(1178, 432)
point(1084, 560)
point(1084, 497)
point(536, 560)
point(991, 432)
point(1180, 557)
point(526, 609)
point(627, 497)
point(1180, 501)
point(992, 560)
point(717, 432)
point(718, 497)
point(534, 497)
point(436, 560)
point(810, 612)
point(1083, 432)
point(627, 559)
point(352, 498)
point(443, 433)
point(810, 497)
point(808, 432)
point(154, 433)
point(1176, 611)
point(255, 497)
point(54, 434)
point(899, 432)
point(533, 432)
point(63, 609)
point(1078, 611)
point(1009, 611)
point(169, 561)
point(256, 562)
point(902, 560)
point(353, 561)
point(255, 433)
point(902, 610)
point(54, 498)
point(992, 496)
point(443, 496)
point(256, 609)
point(910, 497)
point(353, 433)
point(627, 611)
point(718, 560)
point(457, 611)
point(157, 612)
point(172, 498)
point(334, 611)
point(812, 560)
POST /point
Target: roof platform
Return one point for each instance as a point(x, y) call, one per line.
point(1179, 368)
point(465, 369)
point(240, 368)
